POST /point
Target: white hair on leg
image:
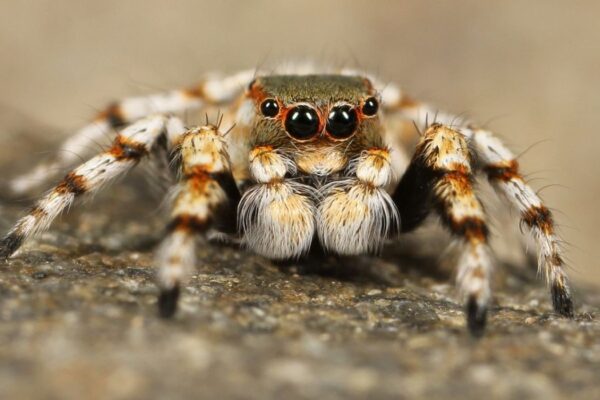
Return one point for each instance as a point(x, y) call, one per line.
point(503, 172)
point(131, 144)
point(205, 189)
point(214, 89)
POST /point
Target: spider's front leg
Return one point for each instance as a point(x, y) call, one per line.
point(440, 177)
point(130, 145)
point(205, 197)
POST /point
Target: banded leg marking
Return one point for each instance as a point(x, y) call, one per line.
point(128, 148)
point(501, 167)
point(205, 192)
point(441, 177)
point(211, 91)
point(502, 170)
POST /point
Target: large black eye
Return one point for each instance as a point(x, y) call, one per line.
point(269, 108)
point(302, 122)
point(370, 107)
point(341, 122)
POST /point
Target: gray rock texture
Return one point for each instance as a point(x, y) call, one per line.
point(78, 320)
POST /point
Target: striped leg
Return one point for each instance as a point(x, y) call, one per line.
point(211, 91)
point(205, 197)
point(440, 177)
point(130, 145)
point(503, 172)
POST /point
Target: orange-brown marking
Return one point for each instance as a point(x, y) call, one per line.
point(408, 102)
point(541, 217)
point(556, 259)
point(38, 212)
point(260, 150)
point(72, 183)
point(187, 223)
point(369, 86)
point(126, 149)
point(257, 92)
point(198, 181)
point(471, 228)
point(197, 173)
point(114, 115)
point(460, 181)
point(503, 171)
point(477, 273)
point(195, 92)
point(379, 158)
point(459, 169)
point(379, 151)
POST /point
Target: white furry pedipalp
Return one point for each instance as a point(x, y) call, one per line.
point(355, 218)
point(277, 219)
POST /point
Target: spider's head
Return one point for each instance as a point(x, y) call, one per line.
point(320, 121)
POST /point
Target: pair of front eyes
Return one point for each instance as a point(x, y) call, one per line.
point(302, 121)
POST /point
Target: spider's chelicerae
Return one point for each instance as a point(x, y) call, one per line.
point(311, 157)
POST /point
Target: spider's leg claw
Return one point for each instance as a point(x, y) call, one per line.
point(562, 301)
point(167, 302)
point(476, 317)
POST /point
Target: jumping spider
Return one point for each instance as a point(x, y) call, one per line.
point(311, 158)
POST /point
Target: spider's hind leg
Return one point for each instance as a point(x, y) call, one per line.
point(205, 197)
point(216, 90)
point(440, 177)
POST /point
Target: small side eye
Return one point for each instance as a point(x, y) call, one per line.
point(370, 107)
point(269, 108)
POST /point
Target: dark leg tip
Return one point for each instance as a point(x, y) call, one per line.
point(562, 301)
point(9, 245)
point(476, 317)
point(4, 253)
point(167, 302)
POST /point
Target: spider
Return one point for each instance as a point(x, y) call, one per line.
point(312, 158)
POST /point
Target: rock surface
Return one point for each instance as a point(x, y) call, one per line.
point(78, 321)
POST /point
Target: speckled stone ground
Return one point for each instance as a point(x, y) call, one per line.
point(78, 321)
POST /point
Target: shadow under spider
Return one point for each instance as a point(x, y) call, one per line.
point(387, 269)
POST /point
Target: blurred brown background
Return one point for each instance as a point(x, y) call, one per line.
point(531, 68)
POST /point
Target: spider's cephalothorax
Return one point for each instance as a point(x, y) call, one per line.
point(311, 157)
point(319, 166)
